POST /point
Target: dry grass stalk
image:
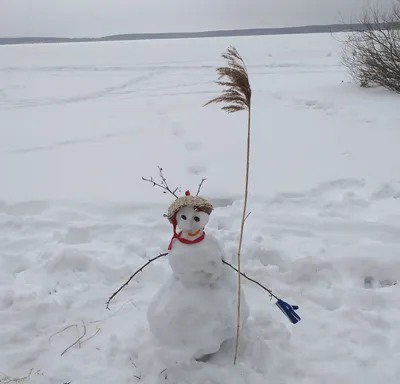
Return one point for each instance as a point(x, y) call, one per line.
point(63, 330)
point(236, 97)
point(78, 341)
point(14, 380)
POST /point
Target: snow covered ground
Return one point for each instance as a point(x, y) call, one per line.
point(80, 124)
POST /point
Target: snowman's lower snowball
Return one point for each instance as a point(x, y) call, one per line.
point(196, 309)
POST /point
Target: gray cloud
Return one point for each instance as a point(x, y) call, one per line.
point(76, 18)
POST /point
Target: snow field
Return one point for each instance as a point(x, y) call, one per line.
point(80, 124)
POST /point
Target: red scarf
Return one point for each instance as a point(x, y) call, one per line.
point(185, 241)
point(181, 239)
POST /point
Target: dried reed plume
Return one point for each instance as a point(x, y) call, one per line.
point(237, 97)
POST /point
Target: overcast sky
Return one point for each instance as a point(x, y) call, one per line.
point(93, 18)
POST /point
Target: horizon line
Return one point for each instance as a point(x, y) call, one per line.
point(302, 29)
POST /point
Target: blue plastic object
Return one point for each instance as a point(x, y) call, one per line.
point(289, 311)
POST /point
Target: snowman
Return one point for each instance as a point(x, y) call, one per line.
point(195, 311)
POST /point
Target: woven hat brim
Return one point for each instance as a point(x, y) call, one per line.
point(191, 201)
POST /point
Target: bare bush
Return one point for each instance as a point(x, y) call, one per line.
point(371, 50)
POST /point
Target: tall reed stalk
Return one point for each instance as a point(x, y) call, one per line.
point(236, 97)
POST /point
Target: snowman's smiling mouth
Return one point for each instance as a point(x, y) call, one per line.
point(194, 233)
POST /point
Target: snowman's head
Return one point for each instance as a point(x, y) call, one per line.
point(190, 219)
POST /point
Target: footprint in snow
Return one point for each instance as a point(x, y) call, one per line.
point(372, 282)
point(177, 132)
point(197, 168)
point(76, 235)
point(193, 145)
point(387, 191)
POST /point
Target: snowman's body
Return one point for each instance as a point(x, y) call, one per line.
point(196, 309)
point(199, 263)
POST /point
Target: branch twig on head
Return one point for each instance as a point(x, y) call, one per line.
point(200, 185)
point(163, 184)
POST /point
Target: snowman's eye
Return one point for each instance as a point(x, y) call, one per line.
point(196, 218)
point(183, 217)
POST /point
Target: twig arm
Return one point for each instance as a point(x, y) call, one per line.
point(139, 270)
point(250, 279)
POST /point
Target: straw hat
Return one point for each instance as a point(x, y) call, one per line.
point(198, 202)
